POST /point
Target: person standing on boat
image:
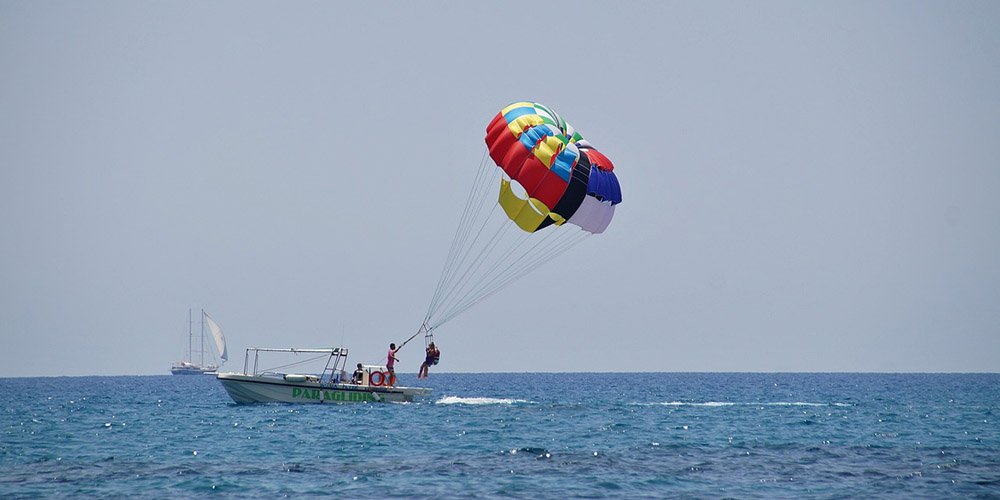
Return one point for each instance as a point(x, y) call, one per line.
point(390, 363)
point(431, 358)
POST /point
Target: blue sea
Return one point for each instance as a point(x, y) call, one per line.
point(565, 435)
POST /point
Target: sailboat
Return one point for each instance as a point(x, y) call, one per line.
point(190, 367)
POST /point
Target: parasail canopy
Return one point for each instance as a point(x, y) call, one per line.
point(547, 175)
point(554, 175)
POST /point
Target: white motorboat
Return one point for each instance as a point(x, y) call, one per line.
point(371, 383)
point(192, 367)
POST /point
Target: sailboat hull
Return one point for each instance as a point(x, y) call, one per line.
point(193, 370)
point(275, 389)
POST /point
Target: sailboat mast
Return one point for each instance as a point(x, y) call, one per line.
point(190, 338)
point(202, 337)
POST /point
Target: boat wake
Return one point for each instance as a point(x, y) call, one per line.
point(457, 400)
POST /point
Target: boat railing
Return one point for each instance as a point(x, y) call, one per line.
point(333, 371)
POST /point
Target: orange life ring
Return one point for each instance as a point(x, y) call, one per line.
point(381, 378)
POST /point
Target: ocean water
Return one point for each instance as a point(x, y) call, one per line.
point(646, 435)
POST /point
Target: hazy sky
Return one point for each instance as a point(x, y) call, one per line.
point(808, 186)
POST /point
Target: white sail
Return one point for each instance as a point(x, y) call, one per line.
point(220, 340)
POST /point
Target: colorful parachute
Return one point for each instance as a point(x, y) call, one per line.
point(548, 175)
point(555, 175)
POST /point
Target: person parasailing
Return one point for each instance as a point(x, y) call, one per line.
point(432, 356)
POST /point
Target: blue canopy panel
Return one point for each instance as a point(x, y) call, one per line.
point(604, 186)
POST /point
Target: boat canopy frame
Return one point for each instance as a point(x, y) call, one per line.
point(336, 362)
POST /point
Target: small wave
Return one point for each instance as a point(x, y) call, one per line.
point(456, 400)
point(706, 403)
point(801, 403)
point(726, 403)
point(538, 452)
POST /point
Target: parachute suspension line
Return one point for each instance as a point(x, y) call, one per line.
point(461, 232)
point(513, 255)
point(459, 260)
point(559, 246)
point(508, 276)
point(477, 261)
point(473, 278)
point(469, 222)
point(523, 261)
point(476, 195)
point(507, 258)
point(450, 284)
point(462, 247)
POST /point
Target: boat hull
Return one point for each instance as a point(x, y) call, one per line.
point(246, 389)
point(193, 370)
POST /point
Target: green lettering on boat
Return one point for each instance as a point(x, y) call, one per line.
point(360, 396)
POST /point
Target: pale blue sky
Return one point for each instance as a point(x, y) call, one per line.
point(809, 186)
